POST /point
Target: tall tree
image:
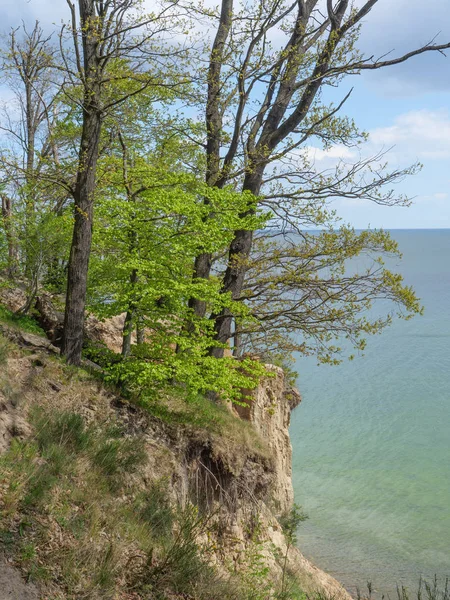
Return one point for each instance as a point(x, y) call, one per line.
point(264, 109)
point(28, 146)
point(113, 41)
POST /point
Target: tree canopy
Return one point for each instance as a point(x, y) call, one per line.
point(159, 166)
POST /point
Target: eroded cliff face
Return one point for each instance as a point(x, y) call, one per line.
point(269, 410)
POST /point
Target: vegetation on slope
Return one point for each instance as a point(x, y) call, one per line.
point(83, 515)
point(202, 236)
point(82, 512)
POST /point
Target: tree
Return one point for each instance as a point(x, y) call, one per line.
point(151, 222)
point(113, 42)
point(310, 303)
point(263, 111)
point(29, 153)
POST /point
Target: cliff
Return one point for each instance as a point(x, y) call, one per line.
point(269, 412)
point(238, 473)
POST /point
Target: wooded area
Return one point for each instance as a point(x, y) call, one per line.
point(158, 165)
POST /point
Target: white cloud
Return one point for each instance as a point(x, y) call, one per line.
point(420, 134)
point(331, 156)
point(399, 26)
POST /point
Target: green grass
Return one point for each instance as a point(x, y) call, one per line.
point(80, 512)
point(73, 511)
point(210, 420)
point(24, 322)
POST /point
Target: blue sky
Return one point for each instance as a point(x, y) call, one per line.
point(405, 107)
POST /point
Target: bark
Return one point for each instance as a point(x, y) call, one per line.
point(81, 240)
point(127, 332)
point(133, 244)
point(203, 262)
point(237, 339)
point(239, 252)
point(84, 190)
point(202, 270)
point(13, 258)
point(140, 332)
point(128, 326)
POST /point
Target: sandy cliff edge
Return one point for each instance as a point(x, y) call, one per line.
point(265, 479)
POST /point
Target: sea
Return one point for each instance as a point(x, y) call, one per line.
point(371, 442)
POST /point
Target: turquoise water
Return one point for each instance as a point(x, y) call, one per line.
point(371, 441)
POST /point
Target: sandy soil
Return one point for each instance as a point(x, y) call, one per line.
point(13, 586)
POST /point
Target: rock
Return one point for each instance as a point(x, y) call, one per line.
point(50, 319)
point(269, 409)
point(89, 365)
point(36, 341)
point(12, 298)
point(25, 339)
point(108, 332)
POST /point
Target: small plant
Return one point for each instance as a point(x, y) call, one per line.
point(156, 511)
point(100, 354)
point(290, 523)
point(65, 429)
point(118, 457)
point(4, 350)
point(181, 566)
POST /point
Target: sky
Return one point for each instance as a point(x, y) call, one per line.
point(405, 108)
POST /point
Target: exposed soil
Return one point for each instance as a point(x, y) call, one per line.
point(13, 586)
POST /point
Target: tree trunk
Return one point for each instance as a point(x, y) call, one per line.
point(237, 342)
point(239, 252)
point(127, 331)
point(214, 126)
point(85, 184)
point(128, 326)
point(13, 259)
point(140, 331)
point(82, 238)
point(202, 270)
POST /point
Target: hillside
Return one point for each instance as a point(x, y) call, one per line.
point(102, 498)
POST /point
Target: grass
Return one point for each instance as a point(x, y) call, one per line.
point(24, 322)
point(173, 407)
point(207, 420)
point(426, 590)
point(78, 511)
point(72, 511)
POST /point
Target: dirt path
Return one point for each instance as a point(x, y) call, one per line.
point(13, 586)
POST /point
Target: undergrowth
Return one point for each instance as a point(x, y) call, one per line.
point(77, 517)
point(24, 322)
point(73, 511)
point(207, 418)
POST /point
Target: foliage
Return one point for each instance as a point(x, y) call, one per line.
point(146, 374)
point(25, 322)
point(144, 248)
point(170, 191)
point(66, 480)
point(255, 570)
point(322, 293)
point(290, 523)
